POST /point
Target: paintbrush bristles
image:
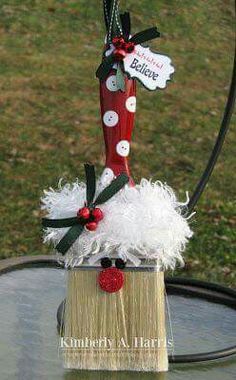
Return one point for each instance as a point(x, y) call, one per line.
point(125, 327)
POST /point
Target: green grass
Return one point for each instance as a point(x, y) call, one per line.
point(50, 122)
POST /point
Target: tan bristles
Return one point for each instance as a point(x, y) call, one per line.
point(133, 319)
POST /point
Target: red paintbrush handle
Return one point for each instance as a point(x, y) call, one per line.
point(117, 112)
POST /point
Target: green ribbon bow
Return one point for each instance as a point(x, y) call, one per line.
point(137, 39)
point(75, 223)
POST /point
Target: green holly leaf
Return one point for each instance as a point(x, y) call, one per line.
point(120, 78)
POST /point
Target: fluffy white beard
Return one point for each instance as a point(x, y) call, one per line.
point(141, 222)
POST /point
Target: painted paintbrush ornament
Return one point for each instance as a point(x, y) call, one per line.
point(116, 237)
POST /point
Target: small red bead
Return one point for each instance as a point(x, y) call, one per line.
point(129, 47)
point(111, 280)
point(83, 213)
point(118, 42)
point(119, 54)
point(97, 214)
point(91, 226)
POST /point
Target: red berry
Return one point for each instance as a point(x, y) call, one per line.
point(91, 226)
point(97, 214)
point(83, 213)
point(119, 54)
point(129, 47)
point(118, 42)
point(111, 279)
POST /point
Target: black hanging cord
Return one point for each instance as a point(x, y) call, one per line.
point(112, 18)
point(219, 142)
point(106, 11)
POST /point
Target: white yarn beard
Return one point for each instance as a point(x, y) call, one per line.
point(141, 222)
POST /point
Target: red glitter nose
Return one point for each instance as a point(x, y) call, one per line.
point(111, 280)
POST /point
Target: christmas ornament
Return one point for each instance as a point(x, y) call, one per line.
point(116, 237)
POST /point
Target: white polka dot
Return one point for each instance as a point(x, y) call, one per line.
point(110, 118)
point(131, 104)
point(107, 176)
point(122, 148)
point(111, 83)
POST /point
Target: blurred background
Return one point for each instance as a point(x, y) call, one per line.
point(50, 121)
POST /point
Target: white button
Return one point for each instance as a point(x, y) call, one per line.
point(107, 176)
point(131, 104)
point(122, 148)
point(111, 83)
point(110, 118)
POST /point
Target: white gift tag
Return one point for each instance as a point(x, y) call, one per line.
point(153, 70)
